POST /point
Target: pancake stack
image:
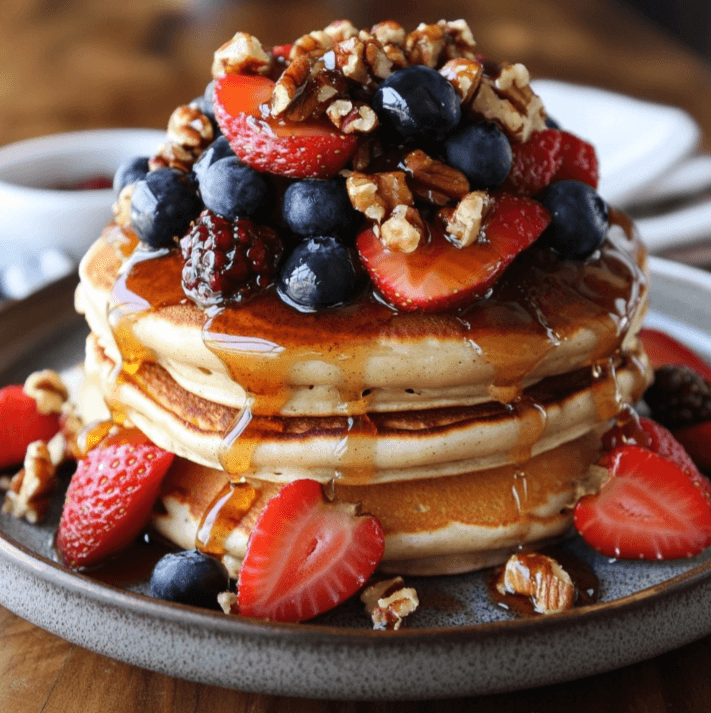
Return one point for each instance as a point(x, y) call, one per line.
point(469, 432)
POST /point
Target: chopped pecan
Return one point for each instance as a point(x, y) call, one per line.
point(432, 180)
point(31, 489)
point(352, 117)
point(403, 230)
point(463, 223)
point(172, 155)
point(389, 602)
point(464, 75)
point(368, 149)
point(340, 30)
point(425, 44)
point(540, 577)
point(508, 100)
point(314, 43)
point(360, 60)
point(190, 128)
point(389, 33)
point(47, 389)
point(376, 194)
point(243, 53)
point(459, 41)
point(228, 602)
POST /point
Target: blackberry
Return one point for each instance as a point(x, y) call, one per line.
point(679, 397)
point(227, 260)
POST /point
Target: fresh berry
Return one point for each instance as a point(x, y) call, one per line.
point(579, 219)
point(232, 190)
point(109, 501)
point(320, 207)
point(679, 397)
point(648, 508)
point(163, 205)
point(306, 555)
point(551, 123)
point(417, 104)
point(437, 274)
point(481, 152)
point(205, 105)
point(663, 349)
point(227, 259)
point(535, 162)
point(320, 272)
point(189, 577)
point(218, 149)
point(281, 51)
point(306, 149)
point(21, 424)
point(578, 160)
point(129, 172)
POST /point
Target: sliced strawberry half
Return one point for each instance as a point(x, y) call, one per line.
point(578, 160)
point(535, 162)
point(306, 149)
point(664, 350)
point(109, 501)
point(306, 555)
point(648, 508)
point(21, 424)
point(438, 275)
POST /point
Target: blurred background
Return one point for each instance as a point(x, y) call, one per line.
point(76, 64)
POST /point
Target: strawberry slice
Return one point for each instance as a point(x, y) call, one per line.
point(21, 424)
point(578, 160)
point(306, 555)
point(535, 162)
point(305, 149)
point(648, 508)
point(109, 501)
point(439, 275)
point(664, 350)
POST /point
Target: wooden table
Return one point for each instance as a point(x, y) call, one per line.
point(81, 64)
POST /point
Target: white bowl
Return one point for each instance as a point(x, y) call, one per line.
point(38, 215)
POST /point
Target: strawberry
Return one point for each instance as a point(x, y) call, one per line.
point(305, 149)
point(109, 501)
point(438, 275)
point(695, 440)
point(648, 508)
point(535, 162)
point(578, 160)
point(664, 350)
point(306, 555)
point(21, 424)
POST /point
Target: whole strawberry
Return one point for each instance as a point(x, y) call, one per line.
point(21, 424)
point(109, 501)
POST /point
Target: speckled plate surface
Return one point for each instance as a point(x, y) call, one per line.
point(458, 643)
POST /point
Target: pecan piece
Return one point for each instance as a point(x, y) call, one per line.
point(432, 180)
point(352, 117)
point(190, 128)
point(425, 44)
point(463, 223)
point(31, 489)
point(459, 41)
point(389, 602)
point(541, 578)
point(242, 54)
point(376, 194)
point(47, 389)
point(314, 43)
point(403, 230)
point(464, 75)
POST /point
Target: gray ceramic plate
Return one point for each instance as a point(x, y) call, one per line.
point(459, 642)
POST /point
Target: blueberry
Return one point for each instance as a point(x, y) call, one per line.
point(482, 152)
point(129, 172)
point(552, 123)
point(320, 272)
point(189, 577)
point(233, 190)
point(163, 205)
point(205, 104)
point(219, 148)
point(579, 219)
point(417, 104)
point(320, 207)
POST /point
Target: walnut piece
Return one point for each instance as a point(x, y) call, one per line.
point(172, 155)
point(432, 180)
point(242, 54)
point(389, 602)
point(459, 41)
point(190, 128)
point(463, 223)
point(540, 577)
point(352, 117)
point(47, 389)
point(425, 44)
point(31, 489)
point(508, 100)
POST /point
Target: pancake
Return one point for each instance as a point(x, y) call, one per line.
point(431, 526)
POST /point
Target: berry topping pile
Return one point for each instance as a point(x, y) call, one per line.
point(401, 153)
